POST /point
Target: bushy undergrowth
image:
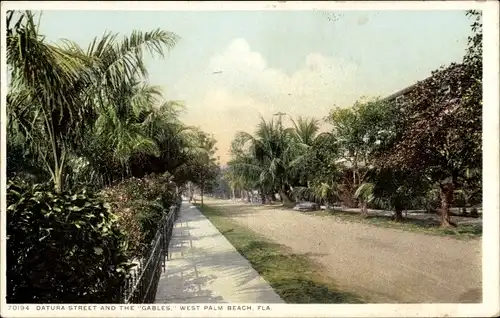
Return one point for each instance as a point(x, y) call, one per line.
point(65, 247)
point(140, 204)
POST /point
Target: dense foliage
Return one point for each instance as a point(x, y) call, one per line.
point(140, 205)
point(62, 247)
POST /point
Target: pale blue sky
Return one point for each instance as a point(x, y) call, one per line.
point(362, 53)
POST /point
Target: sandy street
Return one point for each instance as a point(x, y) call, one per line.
point(382, 264)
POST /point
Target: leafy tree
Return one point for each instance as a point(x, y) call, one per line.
point(359, 131)
point(200, 166)
point(396, 190)
point(440, 130)
point(222, 187)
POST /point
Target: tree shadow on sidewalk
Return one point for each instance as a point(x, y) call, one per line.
point(186, 285)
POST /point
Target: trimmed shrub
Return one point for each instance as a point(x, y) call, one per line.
point(63, 247)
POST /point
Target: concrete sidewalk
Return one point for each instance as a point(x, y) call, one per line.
point(203, 267)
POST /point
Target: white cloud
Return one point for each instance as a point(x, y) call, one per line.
point(225, 102)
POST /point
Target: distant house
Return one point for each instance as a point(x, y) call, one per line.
point(404, 91)
point(393, 97)
point(400, 93)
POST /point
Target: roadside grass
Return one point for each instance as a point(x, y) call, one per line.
point(294, 277)
point(427, 226)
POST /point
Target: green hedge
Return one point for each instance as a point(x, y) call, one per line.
point(62, 247)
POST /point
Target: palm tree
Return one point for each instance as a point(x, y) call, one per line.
point(365, 195)
point(121, 125)
point(269, 155)
point(305, 138)
point(57, 91)
point(241, 179)
point(305, 130)
point(233, 180)
point(43, 106)
point(316, 167)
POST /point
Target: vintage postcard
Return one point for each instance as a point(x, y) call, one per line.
point(250, 159)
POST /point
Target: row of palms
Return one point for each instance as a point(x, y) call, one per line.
point(88, 116)
point(339, 166)
point(270, 159)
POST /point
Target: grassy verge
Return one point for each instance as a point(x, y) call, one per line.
point(294, 277)
point(431, 226)
point(427, 226)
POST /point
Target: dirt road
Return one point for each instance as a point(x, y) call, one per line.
point(382, 264)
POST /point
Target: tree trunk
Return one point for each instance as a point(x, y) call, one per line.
point(249, 196)
point(355, 180)
point(191, 192)
point(364, 210)
point(59, 173)
point(262, 197)
point(446, 195)
point(398, 215)
point(234, 194)
point(57, 182)
point(201, 192)
point(287, 202)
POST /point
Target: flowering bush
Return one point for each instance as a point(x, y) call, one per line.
point(140, 204)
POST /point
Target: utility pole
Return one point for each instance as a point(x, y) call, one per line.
point(280, 114)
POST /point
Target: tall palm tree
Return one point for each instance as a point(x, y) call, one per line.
point(57, 91)
point(305, 130)
point(315, 166)
point(269, 155)
point(121, 124)
point(304, 133)
point(128, 131)
point(238, 180)
point(43, 105)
